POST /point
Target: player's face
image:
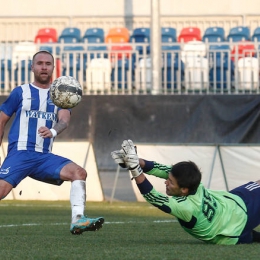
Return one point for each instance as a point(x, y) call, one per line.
point(42, 68)
point(172, 187)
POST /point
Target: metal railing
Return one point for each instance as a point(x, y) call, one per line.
point(204, 68)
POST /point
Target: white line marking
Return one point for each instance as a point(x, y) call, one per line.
point(112, 222)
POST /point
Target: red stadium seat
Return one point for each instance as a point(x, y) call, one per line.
point(190, 34)
point(242, 50)
point(120, 51)
point(46, 35)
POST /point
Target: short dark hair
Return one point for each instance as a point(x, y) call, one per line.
point(187, 175)
point(42, 51)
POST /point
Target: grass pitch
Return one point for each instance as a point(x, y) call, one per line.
point(40, 230)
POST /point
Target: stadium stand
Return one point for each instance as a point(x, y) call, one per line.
point(189, 62)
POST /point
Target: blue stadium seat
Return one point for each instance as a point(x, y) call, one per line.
point(222, 72)
point(71, 59)
point(168, 34)
point(214, 34)
point(6, 66)
point(50, 49)
point(140, 35)
point(123, 66)
point(256, 35)
point(23, 67)
point(96, 51)
point(70, 35)
point(219, 50)
point(239, 33)
point(172, 71)
point(93, 35)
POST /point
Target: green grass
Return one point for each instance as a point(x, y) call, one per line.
point(40, 230)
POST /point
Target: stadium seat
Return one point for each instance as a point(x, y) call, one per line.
point(189, 34)
point(71, 60)
point(172, 72)
point(122, 74)
point(99, 75)
point(256, 35)
point(239, 33)
point(120, 51)
point(140, 35)
point(6, 70)
point(23, 51)
point(197, 74)
point(143, 74)
point(168, 34)
point(96, 51)
point(214, 34)
point(193, 49)
point(46, 35)
point(243, 49)
point(93, 35)
point(70, 35)
point(248, 73)
point(222, 70)
point(23, 72)
point(117, 35)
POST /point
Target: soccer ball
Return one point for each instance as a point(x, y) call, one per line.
point(65, 92)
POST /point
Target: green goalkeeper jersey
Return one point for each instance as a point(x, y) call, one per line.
point(217, 217)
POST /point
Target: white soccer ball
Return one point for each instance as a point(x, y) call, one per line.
point(65, 92)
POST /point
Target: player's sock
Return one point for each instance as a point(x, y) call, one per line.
point(256, 236)
point(77, 199)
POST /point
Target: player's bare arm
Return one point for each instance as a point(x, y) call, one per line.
point(3, 121)
point(62, 124)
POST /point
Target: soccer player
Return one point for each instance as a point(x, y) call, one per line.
point(217, 217)
point(36, 123)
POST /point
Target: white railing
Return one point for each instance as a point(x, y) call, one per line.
point(24, 28)
point(126, 68)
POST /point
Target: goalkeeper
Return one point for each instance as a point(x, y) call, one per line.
point(216, 217)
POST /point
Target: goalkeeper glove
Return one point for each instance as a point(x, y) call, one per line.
point(118, 157)
point(131, 158)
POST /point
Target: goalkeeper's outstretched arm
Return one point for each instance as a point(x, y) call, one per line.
point(155, 169)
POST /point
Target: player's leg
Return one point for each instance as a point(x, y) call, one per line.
point(80, 223)
point(14, 169)
point(250, 193)
point(56, 169)
point(5, 188)
point(256, 234)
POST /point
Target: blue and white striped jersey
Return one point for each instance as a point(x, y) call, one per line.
point(33, 108)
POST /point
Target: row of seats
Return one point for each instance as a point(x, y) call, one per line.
point(140, 35)
point(217, 71)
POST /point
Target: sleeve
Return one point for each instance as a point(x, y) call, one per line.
point(179, 207)
point(157, 169)
point(11, 104)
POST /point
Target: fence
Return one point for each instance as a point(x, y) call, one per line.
point(195, 67)
point(24, 28)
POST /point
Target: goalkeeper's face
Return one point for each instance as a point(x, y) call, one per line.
point(173, 189)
